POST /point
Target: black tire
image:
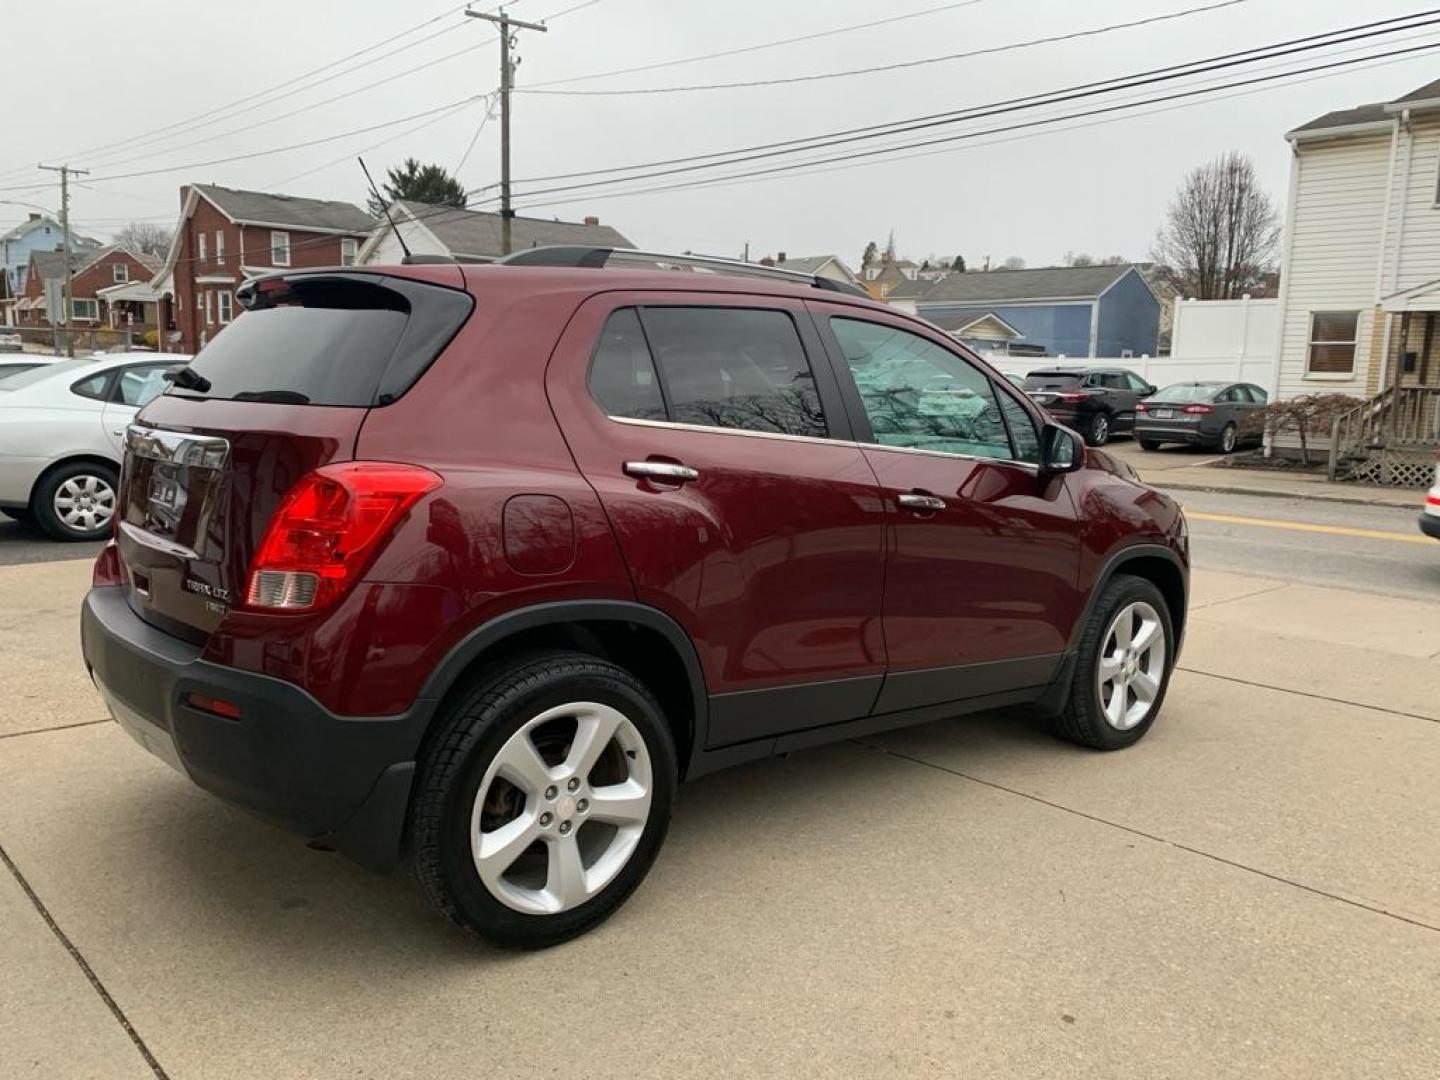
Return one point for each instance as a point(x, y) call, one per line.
point(1083, 720)
point(1097, 429)
point(1228, 439)
point(25, 517)
point(1149, 444)
point(43, 503)
point(469, 735)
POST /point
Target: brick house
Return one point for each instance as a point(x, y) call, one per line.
point(225, 236)
point(93, 270)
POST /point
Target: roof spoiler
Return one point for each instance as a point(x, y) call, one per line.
point(596, 258)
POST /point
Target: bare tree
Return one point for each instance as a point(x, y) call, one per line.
point(1014, 262)
point(146, 237)
point(1077, 258)
point(1309, 416)
point(1220, 230)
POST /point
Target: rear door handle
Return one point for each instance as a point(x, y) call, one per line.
point(919, 502)
point(669, 471)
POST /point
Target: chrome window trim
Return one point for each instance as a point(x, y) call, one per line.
point(676, 426)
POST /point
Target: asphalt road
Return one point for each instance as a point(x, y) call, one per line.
point(1371, 548)
point(21, 543)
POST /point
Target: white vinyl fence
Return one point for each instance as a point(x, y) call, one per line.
point(1211, 339)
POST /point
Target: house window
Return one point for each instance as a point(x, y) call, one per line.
point(279, 249)
point(121, 272)
point(225, 309)
point(219, 248)
point(1332, 342)
point(204, 254)
point(85, 309)
point(209, 311)
point(348, 248)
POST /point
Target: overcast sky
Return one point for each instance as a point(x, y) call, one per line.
point(89, 80)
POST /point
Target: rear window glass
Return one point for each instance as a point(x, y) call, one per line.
point(329, 341)
point(1186, 392)
point(1041, 380)
point(38, 374)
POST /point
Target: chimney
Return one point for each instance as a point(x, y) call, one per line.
point(780, 259)
point(592, 221)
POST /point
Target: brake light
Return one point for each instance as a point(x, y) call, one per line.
point(107, 567)
point(326, 530)
point(1194, 410)
point(1141, 407)
point(217, 706)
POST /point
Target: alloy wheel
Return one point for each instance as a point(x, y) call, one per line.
point(1100, 429)
point(1132, 666)
point(85, 503)
point(561, 808)
point(1227, 438)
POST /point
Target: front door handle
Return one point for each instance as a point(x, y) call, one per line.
point(668, 471)
point(920, 502)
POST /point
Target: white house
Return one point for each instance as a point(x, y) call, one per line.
point(1360, 280)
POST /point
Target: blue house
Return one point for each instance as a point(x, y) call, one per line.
point(1072, 311)
point(36, 233)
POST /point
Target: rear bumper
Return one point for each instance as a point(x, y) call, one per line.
point(1192, 435)
point(341, 782)
point(1430, 524)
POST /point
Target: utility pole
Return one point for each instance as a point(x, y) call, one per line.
point(66, 303)
point(507, 79)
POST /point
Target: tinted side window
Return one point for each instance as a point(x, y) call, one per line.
point(622, 375)
point(1231, 395)
point(735, 368)
point(1257, 395)
point(1137, 384)
point(1116, 382)
point(918, 395)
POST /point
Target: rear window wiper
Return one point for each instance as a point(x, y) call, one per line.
point(273, 397)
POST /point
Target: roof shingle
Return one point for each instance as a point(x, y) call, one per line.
point(476, 234)
point(263, 208)
point(1048, 283)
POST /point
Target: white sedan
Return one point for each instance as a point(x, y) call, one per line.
point(62, 428)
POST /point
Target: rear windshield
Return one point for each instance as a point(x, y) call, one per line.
point(1186, 392)
point(44, 371)
point(1052, 380)
point(329, 341)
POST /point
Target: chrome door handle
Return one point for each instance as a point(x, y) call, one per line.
point(661, 470)
point(914, 501)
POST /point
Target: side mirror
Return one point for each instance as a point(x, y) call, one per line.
point(1150, 390)
point(1061, 450)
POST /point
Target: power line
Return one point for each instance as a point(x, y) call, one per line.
point(1090, 89)
point(899, 65)
point(760, 46)
point(965, 136)
point(470, 149)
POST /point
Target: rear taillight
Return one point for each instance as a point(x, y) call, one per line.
point(1194, 410)
point(326, 530)
point(107, 567)
point(1141, 407)
point(1072, 398)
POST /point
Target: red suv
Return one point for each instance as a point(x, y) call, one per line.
point(466, 567)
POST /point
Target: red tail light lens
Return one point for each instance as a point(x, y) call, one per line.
point(1140, 406)
point(107, 567)
point(1072, 397)
point(1194, 410)
point(326, 530)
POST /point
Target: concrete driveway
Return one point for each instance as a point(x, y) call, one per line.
point(1252, 891)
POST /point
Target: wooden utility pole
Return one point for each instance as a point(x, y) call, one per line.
point(507, 80)
point(66, 303)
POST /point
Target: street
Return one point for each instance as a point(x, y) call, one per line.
point(1253, 890)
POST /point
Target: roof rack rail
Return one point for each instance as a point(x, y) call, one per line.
point(595, 258)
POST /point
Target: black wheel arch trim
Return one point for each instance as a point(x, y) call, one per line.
point(496, 631)
point(1114, 563)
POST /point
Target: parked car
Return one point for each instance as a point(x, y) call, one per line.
point(1017, 381)
point(470, 565)
point(1430, 514)
point(11, 343)
point(1098, 402)
point(1208, 414)
point(62, 428)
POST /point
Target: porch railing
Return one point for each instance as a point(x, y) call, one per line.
point(1396, 419)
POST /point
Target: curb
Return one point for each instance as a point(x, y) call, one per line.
point(1281, 493)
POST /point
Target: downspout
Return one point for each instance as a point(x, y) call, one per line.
point(1384, 240)
point(1287, 251)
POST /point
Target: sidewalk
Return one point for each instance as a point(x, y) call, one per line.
point(1181, 471)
